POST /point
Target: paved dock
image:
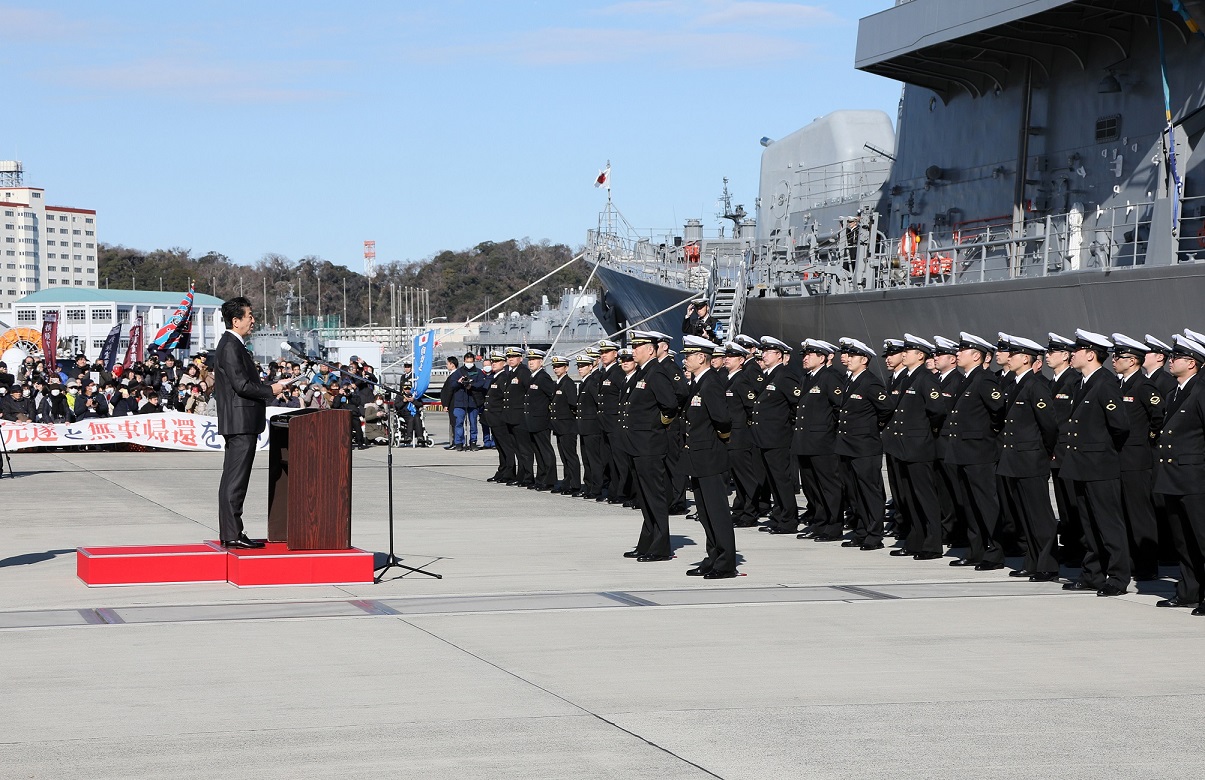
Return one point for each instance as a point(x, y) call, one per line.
point(542, 653)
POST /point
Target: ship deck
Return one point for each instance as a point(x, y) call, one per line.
point(543, 653)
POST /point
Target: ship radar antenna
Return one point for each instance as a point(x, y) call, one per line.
point(736, 215)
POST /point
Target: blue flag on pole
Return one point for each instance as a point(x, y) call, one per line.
point(108, 352)
point(424, 359)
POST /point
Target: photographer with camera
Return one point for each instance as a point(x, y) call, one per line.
point(468, 389)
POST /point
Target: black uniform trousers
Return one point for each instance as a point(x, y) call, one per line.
point(606, 463)
point(711, 500)
point(918, 486)
point(1028, 499)
point(1106, 548)
point(903, 519)
point(978, 483)
point(649, 477)
point(863, 481)
point(746, 468)
point(675, 466)
point(1186, 521)
point(504, 443)
point(591, 444)
point(820, 477)
point(523, 452)
point(1071, 530)
point(784, 515)
point(232, 490)
point(571, 467)
point(953, 514)
point(541, 443)
point(1143, 530)
point(1008, 529)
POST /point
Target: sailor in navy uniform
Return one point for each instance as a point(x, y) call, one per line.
point(910, 437)
point(949, 492)
point(537, 415)
point(757, 378)
point(772, 421)
point(513, 401)
point(1145, 408)
point(864, 412)
point(1180, 471)
point(707, 429)
point(744, 459)
point(970, 446)
point(649, 406)
point(610, 387)
point(492, 415)
point(815, 436)
point(1098, 428)
point(589, 429)
point(1155, 365)
point(1062, 390)
point(1028, 436)
point(564, 427)
point(675, 483)
point(897, 520)
point(699, 322)
point(1003, 375)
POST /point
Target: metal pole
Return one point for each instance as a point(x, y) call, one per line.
point(265, 296)
point(343, 323)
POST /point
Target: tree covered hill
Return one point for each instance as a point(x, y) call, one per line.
point(461, 283)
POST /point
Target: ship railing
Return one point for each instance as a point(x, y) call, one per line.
point(841, 182)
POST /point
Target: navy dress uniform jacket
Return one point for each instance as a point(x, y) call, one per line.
point(708, 424)
point(650, 404)
point(564, 406)
point(970, 427)
point(910, 434)
point(741, 396)
point(863, 413)
point(514, 394)
point(1097, 429)
point(610, 389)
point(773, 416)
point(817, 413)
point(1030, 430)
point(588, 423)
point(1180, 448)
point(537, 403)
point(1144, 406)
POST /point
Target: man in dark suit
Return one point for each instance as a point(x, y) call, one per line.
point(241, 399)
point(564, 427)
point(704, 454)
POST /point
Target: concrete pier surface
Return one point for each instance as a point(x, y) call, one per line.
point(543, 653)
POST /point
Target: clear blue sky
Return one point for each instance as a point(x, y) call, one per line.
point(308, 127)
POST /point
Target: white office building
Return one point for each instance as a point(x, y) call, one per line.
point(41, 246)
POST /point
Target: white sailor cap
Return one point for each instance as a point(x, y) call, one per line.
point(971, 341)
point(639, 338)
point(536, 354)
point(892, 346)
point(559, 360)
point(1086, 339)
point(769, 342)
point(1157, 345)
point(944, 346)
point(820, 347)
point(665, 339)
point(514, 352)
point(1197, 337)
point(916, 342)
point(1025, 346)
point(1124, 345)
point(584, 360)
point(1058, 343)
point(606, 345)
point(1188, 347)
point(1002, 340)
point(627, 354)
point(854, 347)
point(732, 349)
point(748, 342)
point(497, 355)
point(696, 344)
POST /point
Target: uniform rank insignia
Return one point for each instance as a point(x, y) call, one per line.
point(882, 396)
point(728, 393)
point(606, 381)
point(935, 395)
point(837, 391)
point(752, 395)
point(798, 391)
point(995, 395)
point(1129, 399)
point(771, 387)
point(640, 384)
point(533, 387)
point(910, 392)
point(1111, 407)
point(855, 397)
point(761, 379)
point(560, 392)
point(696, 401)
point(677, 378)
point(1040, 404)
point(1155, 400)
point(816, 389)
point(515, 381)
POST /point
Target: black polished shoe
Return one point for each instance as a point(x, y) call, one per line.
point(1146, 576)
point(874, 546)
point(632, 554)
point(725, 575)
point(900, 552)
point(1050, 576)
point(1020, 573)
point(677, 509)
point(1199, 611)
point(244, 543)
point(1111, 590)
point(1079, 585)
point(927, 556)
point(654, 558)
point(1173, 602)
point(988, 566)
point(512, 482)
point(778, 531)
point(698, 571)
point(851, 543)
point(745, 524)
point(806, 533)
point(964, 562)
point(491, 479)
point(827, 538)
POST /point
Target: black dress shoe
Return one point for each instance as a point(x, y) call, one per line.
point(725, 575)
point(243, 543)
point(492, 479)
point(806, 533)
point(1079, 585)
point(678, 509)
point(1199, 611)
point(985, 566)
point(632, 554)
point(1020, 573)
point(1049, 576)
point(926, 556)
point(964, 562)
point(1111, 590)
point(1146, 576)
point(873, 546)
point(851, 543)
point(778, 531)
point(654, 558)
point(745, 524)
point(698, 571)
point(1173, 602)
point(512, 482)
point(900, 552)
point(827, 538)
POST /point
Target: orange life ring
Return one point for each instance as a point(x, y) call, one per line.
point(13, 336)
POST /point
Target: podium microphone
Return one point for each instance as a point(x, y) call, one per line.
point(287, 347)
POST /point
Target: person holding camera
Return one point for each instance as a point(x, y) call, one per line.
point(699, 322)
point(468, 386)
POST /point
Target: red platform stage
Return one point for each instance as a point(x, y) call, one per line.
point(275, 564)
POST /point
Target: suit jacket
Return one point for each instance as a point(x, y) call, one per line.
point(564, 407)
point(1144, 406)
point(610, 391)
point(588, 423)
point(772, 419)
point(1098, 428)
point(970, 427)
point(911, 431)
point(817, 413)
point(649, 404)
point(863, 413)
point(537, 403)
point(1180, 448)
point(514, 394)
point(240, 394)
point(1030, 431)
point(740, 395)
point(708, 424)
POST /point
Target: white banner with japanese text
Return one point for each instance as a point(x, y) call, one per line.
point(166, 430)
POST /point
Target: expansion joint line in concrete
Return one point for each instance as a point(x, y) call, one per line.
point(571, 703)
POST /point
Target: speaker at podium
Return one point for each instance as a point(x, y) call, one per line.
point(309, 479)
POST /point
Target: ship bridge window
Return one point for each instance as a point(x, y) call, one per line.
point(1108, 128)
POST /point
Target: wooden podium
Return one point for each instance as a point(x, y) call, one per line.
point(309, 479)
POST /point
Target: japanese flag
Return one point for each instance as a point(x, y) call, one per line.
point(604, 178)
